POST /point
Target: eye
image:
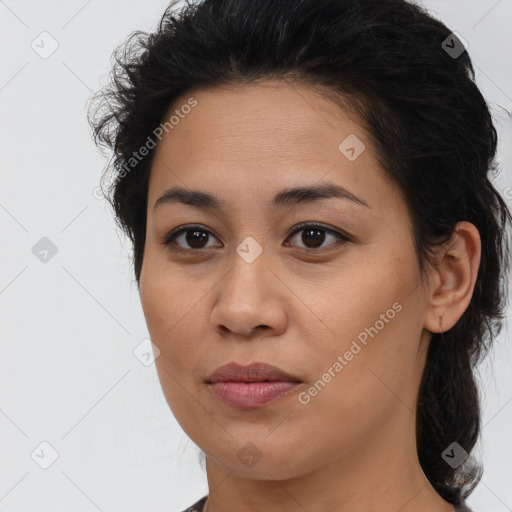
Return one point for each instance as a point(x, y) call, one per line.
point(193, 235)
point(197, 238)
point(314, 235)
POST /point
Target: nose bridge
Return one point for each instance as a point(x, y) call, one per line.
point(247, 296)
point(248, 274)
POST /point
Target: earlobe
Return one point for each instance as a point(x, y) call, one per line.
point(441, 328)
point(454, 278)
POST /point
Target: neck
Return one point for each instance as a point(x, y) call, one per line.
point(383, 473)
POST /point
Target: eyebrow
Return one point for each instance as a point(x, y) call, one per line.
point(288, 197)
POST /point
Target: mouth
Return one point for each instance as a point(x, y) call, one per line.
point(252, 386)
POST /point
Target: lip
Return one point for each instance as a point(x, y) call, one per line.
point(254, 372)
point(251, 395)
point(252, 386)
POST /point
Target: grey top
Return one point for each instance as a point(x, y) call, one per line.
point(198, 506)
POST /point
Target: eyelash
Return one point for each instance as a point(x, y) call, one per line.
point(342, 238)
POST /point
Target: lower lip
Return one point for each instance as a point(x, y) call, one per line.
point(249, 395)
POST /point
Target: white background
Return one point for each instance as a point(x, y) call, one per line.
point(68, 375)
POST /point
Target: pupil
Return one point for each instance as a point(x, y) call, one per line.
point(314, 235)
point(196, 238)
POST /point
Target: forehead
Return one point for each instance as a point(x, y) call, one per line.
point(263, 138)
point(281, 120)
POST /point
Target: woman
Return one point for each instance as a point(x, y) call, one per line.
point(320, 253)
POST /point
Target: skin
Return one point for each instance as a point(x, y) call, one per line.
point(353, 446)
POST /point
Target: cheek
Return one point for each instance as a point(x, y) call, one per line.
point(168, 316)
point(165, 298)
point(374, 381)
point(163, 312)
point(366, 294)
point(373, 315)
point(174, 314)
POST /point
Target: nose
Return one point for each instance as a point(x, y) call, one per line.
point(250, 297)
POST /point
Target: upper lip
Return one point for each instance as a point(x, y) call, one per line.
point(254, 372)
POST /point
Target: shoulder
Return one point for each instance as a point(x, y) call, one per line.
point(197, 506)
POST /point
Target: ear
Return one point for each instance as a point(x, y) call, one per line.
point(453, 279)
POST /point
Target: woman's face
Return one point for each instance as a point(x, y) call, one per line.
point(346, 316)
